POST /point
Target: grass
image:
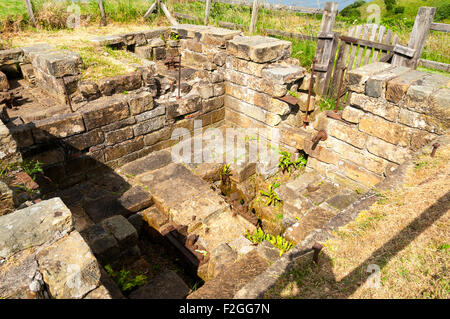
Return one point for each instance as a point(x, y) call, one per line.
point(52, 14)
point(409, 246)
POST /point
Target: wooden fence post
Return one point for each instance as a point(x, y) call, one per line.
point(102, 11)
point(409, 56)
point(326, 48)
point(30, 12)
point(207, 11)
point(254, 16)
point(151, 9)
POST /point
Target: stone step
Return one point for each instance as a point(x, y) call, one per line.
point(148, 163)
point(315, 218)
point(233, 278)
point(167, 285)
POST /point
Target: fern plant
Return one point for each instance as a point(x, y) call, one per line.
point(124, 280)
point(286, 164)
point(272, 197)
point(278, 241)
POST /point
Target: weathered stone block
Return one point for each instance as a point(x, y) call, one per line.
point(356, 79)
point(58, 126)
point(213, 103)
point(135, 199)
point(359, 174)
point(397, 87)
point(114, 137)
point(167, 285)
point(258, 48)
point(259, 99)
point(156, 33)
point(283, 73)
point(144, 52)
point(188, 104)
point(119, 84)
point(352, 114)
point(104, 111)
point(85, 140)
point(4, 84)
point(357, 156)
point(418, 94)
point(108, 40)
point(390, 132)
point(379, 107)
point(420, 121)
point(11, 56)
point(155, 218)
point(255, 83)
point(125, 234)
point(440, 106)
point(123, 149)
point(69, 268)
point(33, 226)
point(347, 133)
point(147, 115)
point(376, 84)
point(102, 244)
point(268, 251)
point(158, 136)
point(252, 111)
point(134, 38)
point(386, 150)
point(89, 90)
point(159, 53)
point(244, 66)
point(221, 257)
point(149, 125)
point(58, 63)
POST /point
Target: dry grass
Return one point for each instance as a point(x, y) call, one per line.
point(410, 246)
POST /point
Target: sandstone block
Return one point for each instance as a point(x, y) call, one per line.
point(390, 132)
point(125, 234)
point(352, 114)
point(386, 150)
point(283, 73)
point(258, 48)
point(376, 84)
point(104, 111)
point(58, 63)
point(356, 79)
point(58, 126)
point(33, 226)
point(69, 268)
point(397, 87)
point(387, 110)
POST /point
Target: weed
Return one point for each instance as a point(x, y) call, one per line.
point(278, 241)
point(124, 280)
point(225, 174)
point(286, 164)
point(327, 104)
point(272, 197)
point(293, 93)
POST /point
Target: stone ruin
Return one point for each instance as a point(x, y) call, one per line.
point(111, 194)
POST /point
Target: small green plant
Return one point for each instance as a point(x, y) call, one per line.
point(272, 197)
point(225, 174)
point(293, 93)
point(124, 280)
point(286, 164)
point(327, 104)
point(32, 168)
point(278, 241)
point(174, 36)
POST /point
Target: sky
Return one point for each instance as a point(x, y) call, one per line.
point(312, 3)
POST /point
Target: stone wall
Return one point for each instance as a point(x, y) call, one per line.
point(8, 146)
point(42, 256)
point(392, 112)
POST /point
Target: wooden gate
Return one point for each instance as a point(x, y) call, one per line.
point(363, 44)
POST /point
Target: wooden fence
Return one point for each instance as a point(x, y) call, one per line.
point(327, 40)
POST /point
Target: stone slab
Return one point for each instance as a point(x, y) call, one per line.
point(33, 226)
